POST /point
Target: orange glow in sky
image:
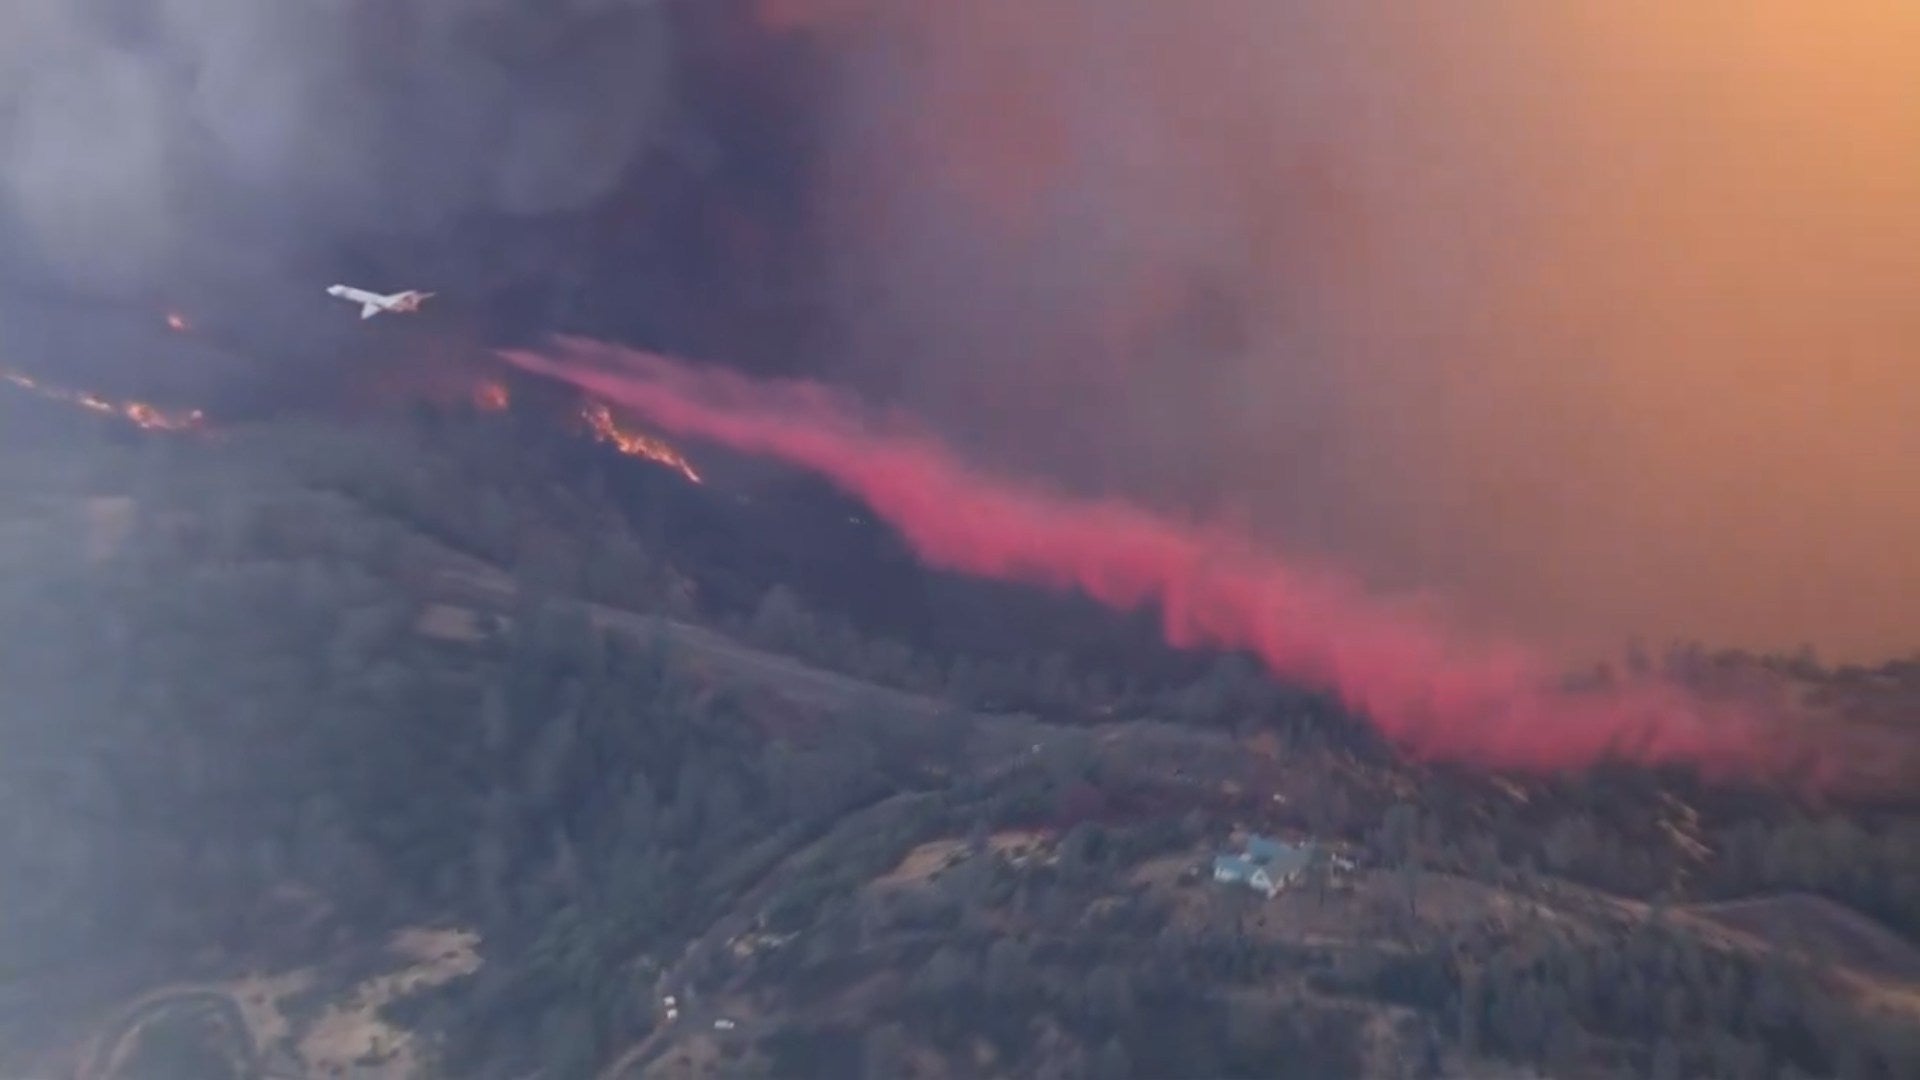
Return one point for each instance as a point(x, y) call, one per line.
point(1595, 320)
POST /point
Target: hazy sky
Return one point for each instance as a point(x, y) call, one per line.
point(1596, 319)
point(220, 140)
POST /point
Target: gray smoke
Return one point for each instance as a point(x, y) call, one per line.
point(143, 141)
point(1595, 320)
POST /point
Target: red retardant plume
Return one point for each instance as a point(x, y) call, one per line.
point(1433, 697)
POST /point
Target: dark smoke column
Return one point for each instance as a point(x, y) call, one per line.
point(223, 147)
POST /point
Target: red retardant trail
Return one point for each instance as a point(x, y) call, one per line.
point(1434, 698)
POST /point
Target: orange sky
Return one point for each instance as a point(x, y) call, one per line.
point(1594, 319)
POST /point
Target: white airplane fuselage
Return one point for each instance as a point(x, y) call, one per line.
point(373, 303)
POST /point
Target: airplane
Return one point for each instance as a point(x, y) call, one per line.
point(372, 303)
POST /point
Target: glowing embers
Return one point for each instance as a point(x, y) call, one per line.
point(139, 413)
point(491, 397)
point(601, 424)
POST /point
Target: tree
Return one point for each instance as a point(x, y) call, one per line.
point(496, 723)
point(1109, 994)
point(547, 762)
point(945, 972)
point(619, 571)
point(979, 835)
point(884, 1053)
point(1409, 878)
point(1471, 1011)
point(1397, 832)
point(1570, 842)
point(1666, 1062)
point(1008, 969)
point(781, 622)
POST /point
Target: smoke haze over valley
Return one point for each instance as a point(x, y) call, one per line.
point(868, 539)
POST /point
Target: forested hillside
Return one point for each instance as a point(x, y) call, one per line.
point(277, 696)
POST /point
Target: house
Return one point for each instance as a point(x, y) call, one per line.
point(1268, 865)
point(1262, 849)
point(1240, 870)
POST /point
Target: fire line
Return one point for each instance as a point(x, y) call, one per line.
point(604, 428)
point(139, 413)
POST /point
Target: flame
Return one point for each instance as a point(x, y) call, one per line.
point(139, 413)
point(178, 322)
point(491, 397)
point(601, 424)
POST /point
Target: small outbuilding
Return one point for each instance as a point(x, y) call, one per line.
point(1267, 865)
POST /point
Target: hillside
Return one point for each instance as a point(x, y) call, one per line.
point(382, 747)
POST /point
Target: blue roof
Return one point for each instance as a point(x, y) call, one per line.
point(1264, 848)
point(1276, 855)
point(1234, 866)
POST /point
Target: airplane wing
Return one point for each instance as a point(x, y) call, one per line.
point(369, 309)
